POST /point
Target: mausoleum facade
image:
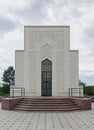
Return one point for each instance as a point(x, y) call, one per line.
point(46, 66)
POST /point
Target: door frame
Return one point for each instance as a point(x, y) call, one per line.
point(46, 82)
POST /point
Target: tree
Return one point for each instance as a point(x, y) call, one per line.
point(8, 79)
point(89, 90)
point(82, 83)
point(6, 89)
point(9, 76)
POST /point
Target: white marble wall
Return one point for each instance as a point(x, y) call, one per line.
point(19, 67)
point(50, 42)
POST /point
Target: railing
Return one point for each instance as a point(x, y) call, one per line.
point(20, 92)
point(75, 92)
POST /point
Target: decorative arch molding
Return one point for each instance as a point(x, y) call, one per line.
point(51, 41)
point(46, 52)
point(46, 45)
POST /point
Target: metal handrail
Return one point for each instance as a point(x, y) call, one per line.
point(15, 88)
point(71, 91)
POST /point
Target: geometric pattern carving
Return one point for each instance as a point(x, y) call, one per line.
point(73, 69)
point(32, 72)
point(46, 52)
point(53, 38)
point(20, 69)
point(60, 70)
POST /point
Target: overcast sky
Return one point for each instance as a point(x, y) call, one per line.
point(79, 14)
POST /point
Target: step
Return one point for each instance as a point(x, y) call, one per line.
point(46, 104)
point(22, 104)
point(50, 107)
point(39, 98)
point(45, 101)
point(72, 109)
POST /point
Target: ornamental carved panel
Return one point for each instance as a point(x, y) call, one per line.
point(37, 39)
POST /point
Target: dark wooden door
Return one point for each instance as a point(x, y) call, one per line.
point(46, 78)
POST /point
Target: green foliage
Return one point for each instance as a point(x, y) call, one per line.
point(9, 76)
point(1, 92)
point(89, 90)
point(6, 88)
point(0, 89)
point(8, 79)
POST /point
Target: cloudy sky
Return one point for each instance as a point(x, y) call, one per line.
point(79, 14)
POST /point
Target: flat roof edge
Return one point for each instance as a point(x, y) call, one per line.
point(19, 50)
point(47, 26)
point(73, 50)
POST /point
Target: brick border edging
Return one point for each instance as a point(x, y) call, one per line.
point(9, 103)
point(83, 103)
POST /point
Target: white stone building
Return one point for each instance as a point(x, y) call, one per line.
point(46, 66)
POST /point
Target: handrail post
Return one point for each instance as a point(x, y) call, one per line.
point(79, 92)
point(21, 92)
point(24, 91)
point(69, 92)
point(13, 92)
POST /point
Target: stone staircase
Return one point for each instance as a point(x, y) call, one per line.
point(46, 104)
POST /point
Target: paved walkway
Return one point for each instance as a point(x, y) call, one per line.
point(79, 120)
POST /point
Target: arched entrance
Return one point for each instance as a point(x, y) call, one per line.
point(46, 78)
